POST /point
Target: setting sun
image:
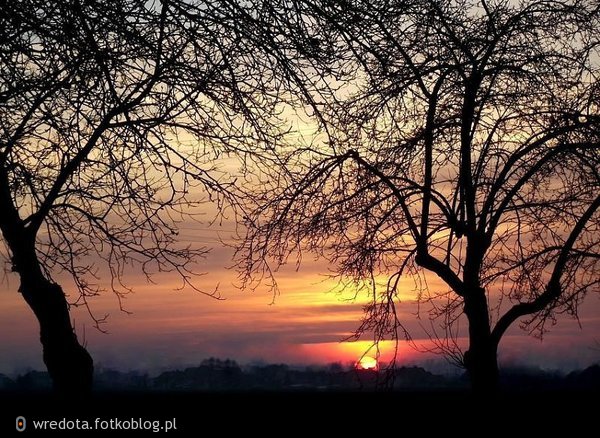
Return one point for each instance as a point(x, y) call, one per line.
point(367, 363)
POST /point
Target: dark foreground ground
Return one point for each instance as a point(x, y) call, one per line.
point(220, 398)
point(514, 413)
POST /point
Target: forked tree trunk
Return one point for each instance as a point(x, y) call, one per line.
point(69, 364)
point(481, 358)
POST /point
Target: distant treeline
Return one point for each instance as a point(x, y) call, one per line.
point(227, 375)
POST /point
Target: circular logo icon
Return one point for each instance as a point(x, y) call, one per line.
point(21, 424)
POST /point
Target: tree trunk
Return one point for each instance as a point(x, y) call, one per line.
point(482, 367)
point(481, 357)
point(69, 364)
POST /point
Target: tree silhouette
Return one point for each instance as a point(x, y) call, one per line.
point(113, 113)
point(465, 143)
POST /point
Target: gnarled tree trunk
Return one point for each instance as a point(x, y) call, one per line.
point(69, 364)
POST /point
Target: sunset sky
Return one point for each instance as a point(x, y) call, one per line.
point(303, 325)
point(428, 136)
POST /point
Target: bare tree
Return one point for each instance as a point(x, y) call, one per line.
point(467, 145)
point(112, 116)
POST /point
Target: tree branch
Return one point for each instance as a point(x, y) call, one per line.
point(553, 288)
